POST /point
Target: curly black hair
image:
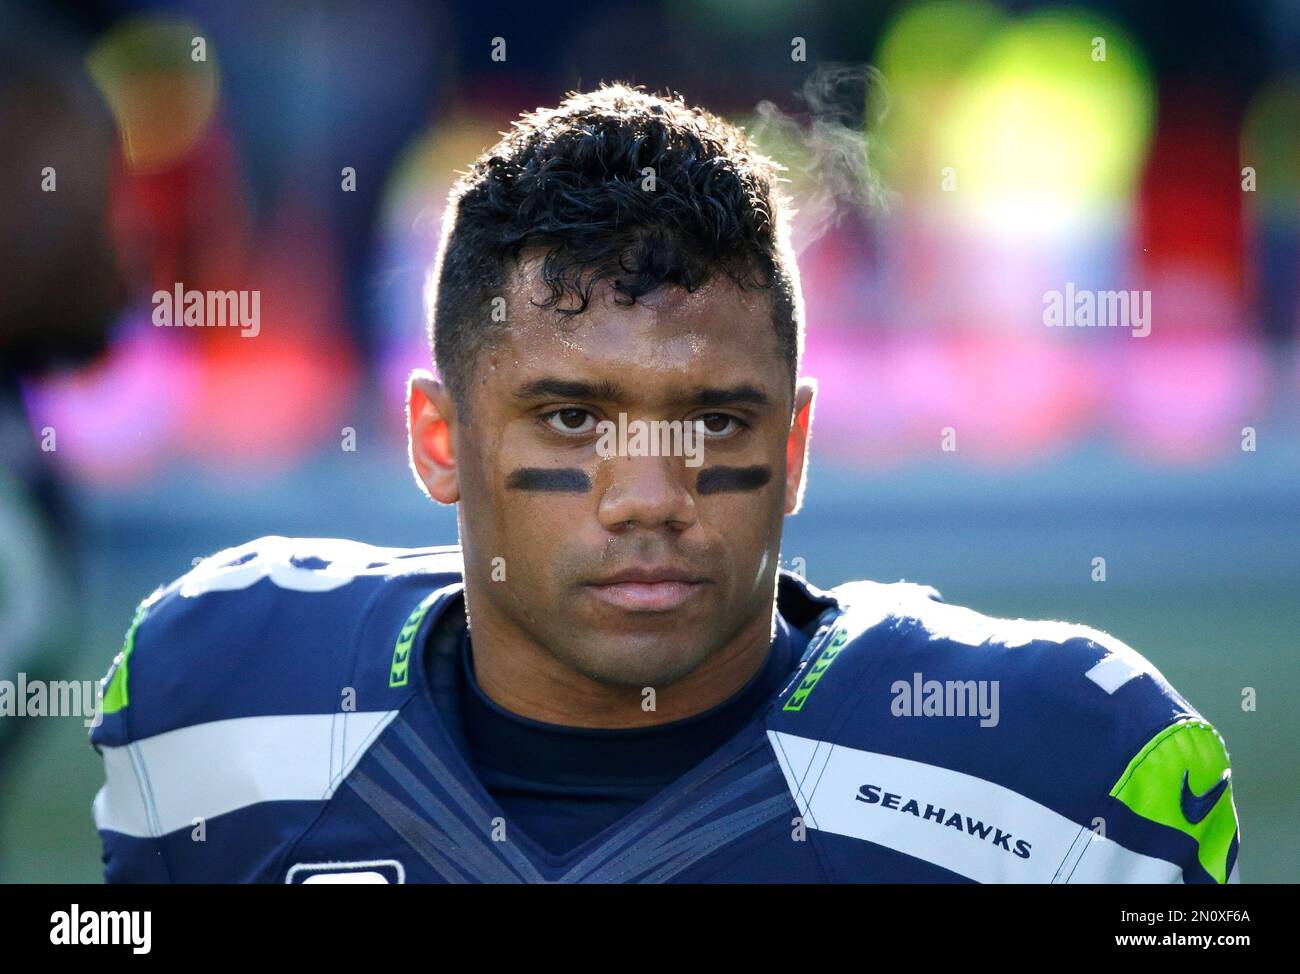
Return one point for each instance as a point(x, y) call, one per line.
point(571, 180)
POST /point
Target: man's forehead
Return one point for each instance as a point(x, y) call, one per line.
point(670, 347)
point(525, 284)
point(719, 312)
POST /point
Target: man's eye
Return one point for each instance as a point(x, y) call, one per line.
point(571, 420)
point(719, 424)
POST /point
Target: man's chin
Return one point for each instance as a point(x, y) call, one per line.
point(637, 662)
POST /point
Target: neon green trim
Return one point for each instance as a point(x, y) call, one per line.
point(115, 696)
point(817, 671)
point(399, 672)
point(1152, 787)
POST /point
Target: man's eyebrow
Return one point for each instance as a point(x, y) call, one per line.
point(741, 395)
point(552, 388)
point(607, 390)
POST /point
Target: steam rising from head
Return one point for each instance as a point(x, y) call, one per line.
point(828, 141)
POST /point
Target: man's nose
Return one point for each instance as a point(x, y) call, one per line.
point(649, 491)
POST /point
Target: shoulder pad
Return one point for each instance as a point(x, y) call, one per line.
point(277, 625)
point(1052, 709)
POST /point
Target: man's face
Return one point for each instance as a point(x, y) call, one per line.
point(550, 522)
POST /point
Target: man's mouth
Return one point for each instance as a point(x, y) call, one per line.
point(648, 589)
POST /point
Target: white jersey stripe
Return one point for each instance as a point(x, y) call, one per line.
point(824, 781)
point(162, 783)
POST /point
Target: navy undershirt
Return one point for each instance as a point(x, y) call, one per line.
point(564, 785)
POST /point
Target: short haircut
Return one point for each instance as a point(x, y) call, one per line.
point(571, 183)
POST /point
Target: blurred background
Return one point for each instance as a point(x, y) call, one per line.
point(1009, 155)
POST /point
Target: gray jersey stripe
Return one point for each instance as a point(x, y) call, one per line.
point(644, 850)
point(693, 847)
point(473, 809)
point(471, 850)
point(404, 822)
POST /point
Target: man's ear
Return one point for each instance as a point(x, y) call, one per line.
point(796, 446)
point(430, 418)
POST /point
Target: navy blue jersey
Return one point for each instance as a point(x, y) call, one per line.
point(562, 785)
point(278, 715)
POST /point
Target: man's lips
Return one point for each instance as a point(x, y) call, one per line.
point(647, 596)
point(648, 589)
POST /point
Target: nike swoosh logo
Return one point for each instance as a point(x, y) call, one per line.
point(1195, 807)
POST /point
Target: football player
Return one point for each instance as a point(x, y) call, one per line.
point(611, 679)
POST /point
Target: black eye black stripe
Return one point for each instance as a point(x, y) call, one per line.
point(547, 479)
point(716, 480)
